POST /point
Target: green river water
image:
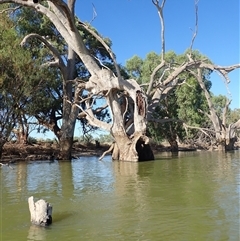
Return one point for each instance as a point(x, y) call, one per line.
point(192, 196)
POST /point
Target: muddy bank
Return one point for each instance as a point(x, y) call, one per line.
point(46, 151)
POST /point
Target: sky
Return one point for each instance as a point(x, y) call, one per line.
point(134, 28)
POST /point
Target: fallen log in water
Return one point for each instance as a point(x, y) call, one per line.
point(41, 212)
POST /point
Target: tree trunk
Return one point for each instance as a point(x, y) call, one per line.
point(230, 144)
point(221, 144)
point(65, 148)
point(1, 148)
point(70, 112)
point(41, 212)
point(231, 136)
point(133, 150)
point(173, 144)
point(22, 137)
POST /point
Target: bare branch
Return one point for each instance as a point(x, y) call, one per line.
point(112, 55)
point(89, 115)
point(224, 114)
point(94, 13)
point(58, 60)
point(196, 25)
point(160, 13)
point(153, 75)
point(203, 130)
point(106, 152)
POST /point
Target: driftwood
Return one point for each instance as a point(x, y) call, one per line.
point(41, 212)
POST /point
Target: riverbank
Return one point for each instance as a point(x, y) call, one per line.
point(13, 152)
point(46, 151)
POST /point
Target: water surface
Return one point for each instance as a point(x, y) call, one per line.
point(192, 196)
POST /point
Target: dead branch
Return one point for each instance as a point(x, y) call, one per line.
point(160, 13)
point(153, 75)
point(112, 55)
point(203, 130)
point(224, 114)
point(94, 13)
point(106, 152)
point(89, 115)
point(6, 164)
point(58, 60)
point(196, 26)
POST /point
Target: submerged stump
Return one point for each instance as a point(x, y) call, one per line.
point(41, 212)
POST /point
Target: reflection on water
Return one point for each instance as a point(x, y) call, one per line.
point(36, 233)
point(192, 196)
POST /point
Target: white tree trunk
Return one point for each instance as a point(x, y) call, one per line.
point(41, 212)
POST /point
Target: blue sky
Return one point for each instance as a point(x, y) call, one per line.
point(134, 28)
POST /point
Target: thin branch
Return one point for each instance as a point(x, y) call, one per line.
point(203, 130)
point(106, 152)
point(153, 75)
point(196, 26)
point(10, 9)
point(94, 13)
point(58, 60)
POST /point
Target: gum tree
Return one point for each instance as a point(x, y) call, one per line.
point(124, 97)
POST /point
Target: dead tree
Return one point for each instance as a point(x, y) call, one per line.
point(41, 212)
point(225, 136)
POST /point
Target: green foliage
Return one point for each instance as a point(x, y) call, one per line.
point(182, 104)
point(140, 69)
point(233, 116)
point(219, 103)
point(15, 65)
point(191, 101)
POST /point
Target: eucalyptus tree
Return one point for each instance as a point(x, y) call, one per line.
point(103, 82)
point(47, 45)
point(124, 97)
point(18, 81)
